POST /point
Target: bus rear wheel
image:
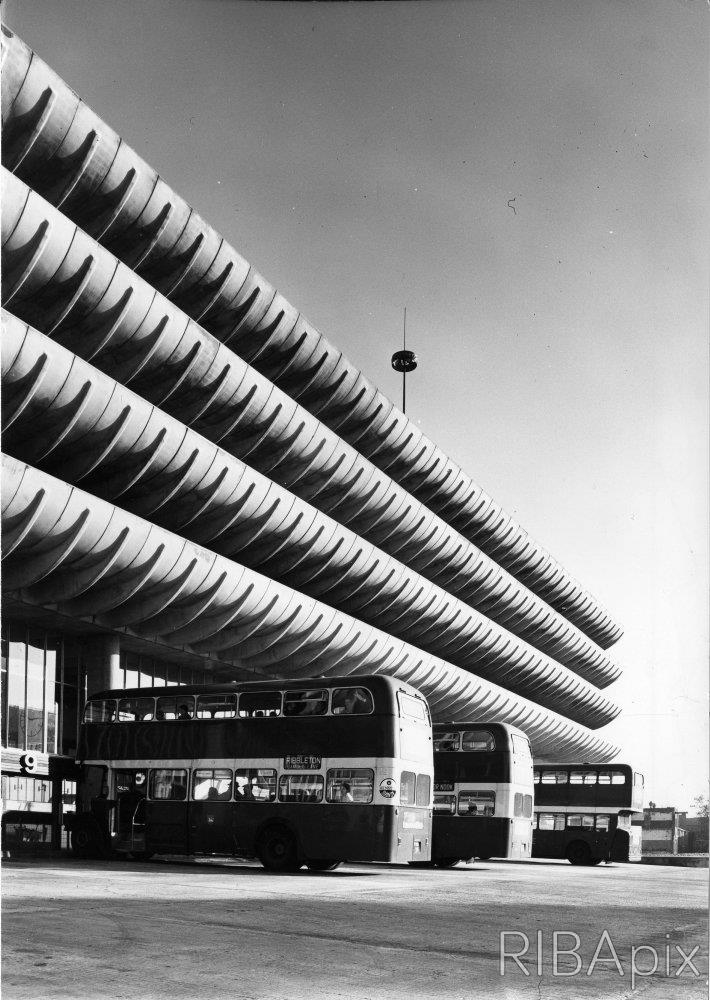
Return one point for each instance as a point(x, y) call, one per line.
point(318, 865)
point(86, 841)
point(276, 849)
point(578, 853)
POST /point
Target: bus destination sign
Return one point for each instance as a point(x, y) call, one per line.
point(302, 762)
point(443, 786)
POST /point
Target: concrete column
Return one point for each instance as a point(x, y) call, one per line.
point(103, 663)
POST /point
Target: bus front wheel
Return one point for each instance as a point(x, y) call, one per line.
point(578, 853)
point(276, 849)
point(317, 865)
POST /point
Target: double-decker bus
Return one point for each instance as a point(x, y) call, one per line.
point(483, 793)
point(313, 772)
point(583, 812)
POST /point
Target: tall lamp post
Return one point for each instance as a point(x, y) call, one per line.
point(404, 361)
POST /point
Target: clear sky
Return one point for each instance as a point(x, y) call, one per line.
point(528, 178)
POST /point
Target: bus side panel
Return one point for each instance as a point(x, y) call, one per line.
point(166, 827)
point(211, 827)
point(338, 832)
point(475, 837)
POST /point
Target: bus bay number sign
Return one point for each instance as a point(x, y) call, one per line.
point(302, 762)
point(443, 786)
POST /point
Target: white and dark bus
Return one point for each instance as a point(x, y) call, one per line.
point(583, 812)
point(297, 772)
point(483, 793)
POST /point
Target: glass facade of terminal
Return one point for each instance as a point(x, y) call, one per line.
point(44, 687)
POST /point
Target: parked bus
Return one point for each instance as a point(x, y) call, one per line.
point(313, 772)
point(483, 793)
point(583, 812)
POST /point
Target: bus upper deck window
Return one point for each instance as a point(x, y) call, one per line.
point(100, 711)
point(583, 777)
point(445, 742)
point(216, 706)
point(618, 778)
point(412, 708)
point(520, 745)
point(351, 701)
point(311, 702)
point(638, 778)
point(180, 707)
point(554, 778)
point(136, 709)
point(259, 704)
point(477, 739)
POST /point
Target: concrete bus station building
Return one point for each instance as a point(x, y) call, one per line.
point(197, 485)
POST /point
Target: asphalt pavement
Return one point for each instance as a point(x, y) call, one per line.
point(217, 929)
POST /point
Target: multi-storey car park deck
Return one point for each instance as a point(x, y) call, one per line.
point(195, 479)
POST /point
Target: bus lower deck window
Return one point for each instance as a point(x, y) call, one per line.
point(423, 794)
point(350, 784)
point(254, 784)
point(213, 784)
point(168, 783)
point(408, 788)
point(477, 803)
point(301, 787)
point(445, 805)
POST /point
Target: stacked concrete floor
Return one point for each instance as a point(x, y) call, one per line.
point(189, 464)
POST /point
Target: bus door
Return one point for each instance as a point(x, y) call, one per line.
point(166, 811)
point(131, 789)
point(211, 811)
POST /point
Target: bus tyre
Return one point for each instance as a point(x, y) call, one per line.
point(578, 853)
point(86, 841)
point(316, 865)
point(276, 849)
point(446, 862)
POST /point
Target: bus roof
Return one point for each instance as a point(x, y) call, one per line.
point(494, 727)
point(610, 766)
point(373, 681)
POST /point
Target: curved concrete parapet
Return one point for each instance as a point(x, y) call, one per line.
point(57, 144)
point(61, 280)
point(70, 419)
point(89, 559)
